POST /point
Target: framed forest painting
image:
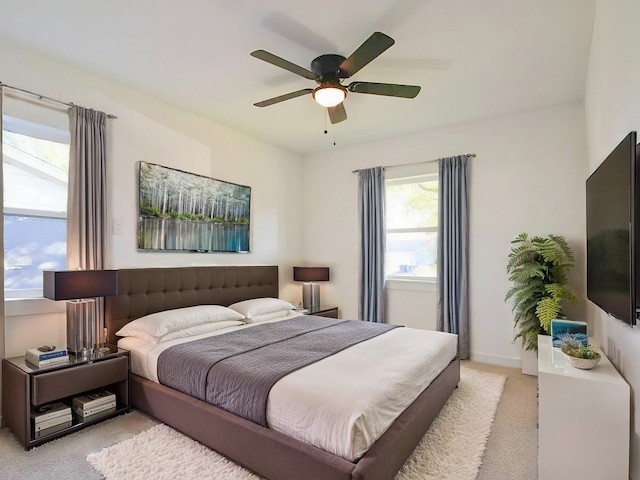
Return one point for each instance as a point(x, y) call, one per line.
point(180, 211)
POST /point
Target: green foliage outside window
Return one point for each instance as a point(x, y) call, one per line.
point(411, 209)
point(412, 205)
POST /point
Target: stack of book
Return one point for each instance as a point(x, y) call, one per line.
point(39, 358)
point(94, 404)
point(50, 418)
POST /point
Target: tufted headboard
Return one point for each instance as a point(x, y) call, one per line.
point(142, 291)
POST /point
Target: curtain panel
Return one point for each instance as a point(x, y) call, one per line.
point(87, 200)
point(453, 250)
point(371, 306)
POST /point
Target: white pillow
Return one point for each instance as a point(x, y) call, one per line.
point(282, 314)
point(161, 323)
point(257, 307)
point(187, 332)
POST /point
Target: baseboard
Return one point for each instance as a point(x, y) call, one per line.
point(496, 360)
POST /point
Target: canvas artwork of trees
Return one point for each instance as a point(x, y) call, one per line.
point(184, 211)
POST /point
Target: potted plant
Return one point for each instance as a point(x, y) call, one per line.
point(579, 355)
point(537, 268)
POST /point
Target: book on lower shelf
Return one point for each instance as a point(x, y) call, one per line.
point(53, 422)
point(99, 402)
point(87, 413)
point(51, 418)
point(53, 429)
point(50, 411)
point(95, 413)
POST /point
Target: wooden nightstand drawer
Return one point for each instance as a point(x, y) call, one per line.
point(51, 386)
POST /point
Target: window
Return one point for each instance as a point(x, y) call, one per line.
point(35, 163)
point(411, 202)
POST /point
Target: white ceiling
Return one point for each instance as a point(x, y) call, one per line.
point(473, 58)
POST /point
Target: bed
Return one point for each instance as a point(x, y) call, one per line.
point(266, 451)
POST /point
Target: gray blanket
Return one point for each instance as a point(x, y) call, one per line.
point(235, 371)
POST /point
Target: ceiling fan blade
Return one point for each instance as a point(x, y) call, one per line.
point(387, 89)
point(285, 26)
point(373, 46)
point(398, 13)
point(282, 98)
point(415, 63)
point(282, 63)
point(337, 114)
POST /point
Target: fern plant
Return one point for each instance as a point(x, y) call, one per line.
point(537, 268)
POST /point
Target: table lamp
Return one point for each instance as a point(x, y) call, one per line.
point(311, 290)
point(80, 287)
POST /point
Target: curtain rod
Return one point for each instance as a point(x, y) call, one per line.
point(415, 163)
point(44, 97)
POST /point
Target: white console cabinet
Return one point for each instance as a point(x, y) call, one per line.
point(584, 419)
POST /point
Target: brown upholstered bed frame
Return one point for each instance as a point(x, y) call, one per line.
point(265, 451)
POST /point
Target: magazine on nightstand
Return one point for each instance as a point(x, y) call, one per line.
point(94, 403)
point(52, 411)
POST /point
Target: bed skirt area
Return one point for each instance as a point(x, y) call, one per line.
point(276, 456)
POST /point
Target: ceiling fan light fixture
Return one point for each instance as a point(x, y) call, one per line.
point(329, 95)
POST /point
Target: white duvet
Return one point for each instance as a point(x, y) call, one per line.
point(345, 402)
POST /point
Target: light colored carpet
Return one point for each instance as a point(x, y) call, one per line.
point(64, 458)
point(512, 449)
point(452, 448)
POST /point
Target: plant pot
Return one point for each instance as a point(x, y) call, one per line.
point(582, 363)
point(529, 362)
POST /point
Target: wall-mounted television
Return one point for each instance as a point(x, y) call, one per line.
point(613, 232)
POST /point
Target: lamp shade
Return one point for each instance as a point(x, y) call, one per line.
point(329, 95)
point(77, 284)
point(311, 274)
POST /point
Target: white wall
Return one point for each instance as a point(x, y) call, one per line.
point(613, 110)
point(154, 132)
point(528, 176)
point(521, 160)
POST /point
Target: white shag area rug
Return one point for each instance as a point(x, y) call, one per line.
point(452, 449)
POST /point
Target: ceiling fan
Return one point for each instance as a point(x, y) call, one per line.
point(328, 71)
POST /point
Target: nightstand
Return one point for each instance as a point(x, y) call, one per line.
point(26, 387)
point(323, 311)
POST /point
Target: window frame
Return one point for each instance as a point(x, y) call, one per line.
point(403, 175)
point(31, 301)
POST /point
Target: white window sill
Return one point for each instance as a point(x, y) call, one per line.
point(416, 285)
point(14, 307)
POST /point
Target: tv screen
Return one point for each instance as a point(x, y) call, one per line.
point(611, 232)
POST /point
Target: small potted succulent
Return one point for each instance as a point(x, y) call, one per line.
point(579, 355)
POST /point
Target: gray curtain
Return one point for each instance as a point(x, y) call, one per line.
point(453, 251)
point(371, 306)
point(87, 202)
